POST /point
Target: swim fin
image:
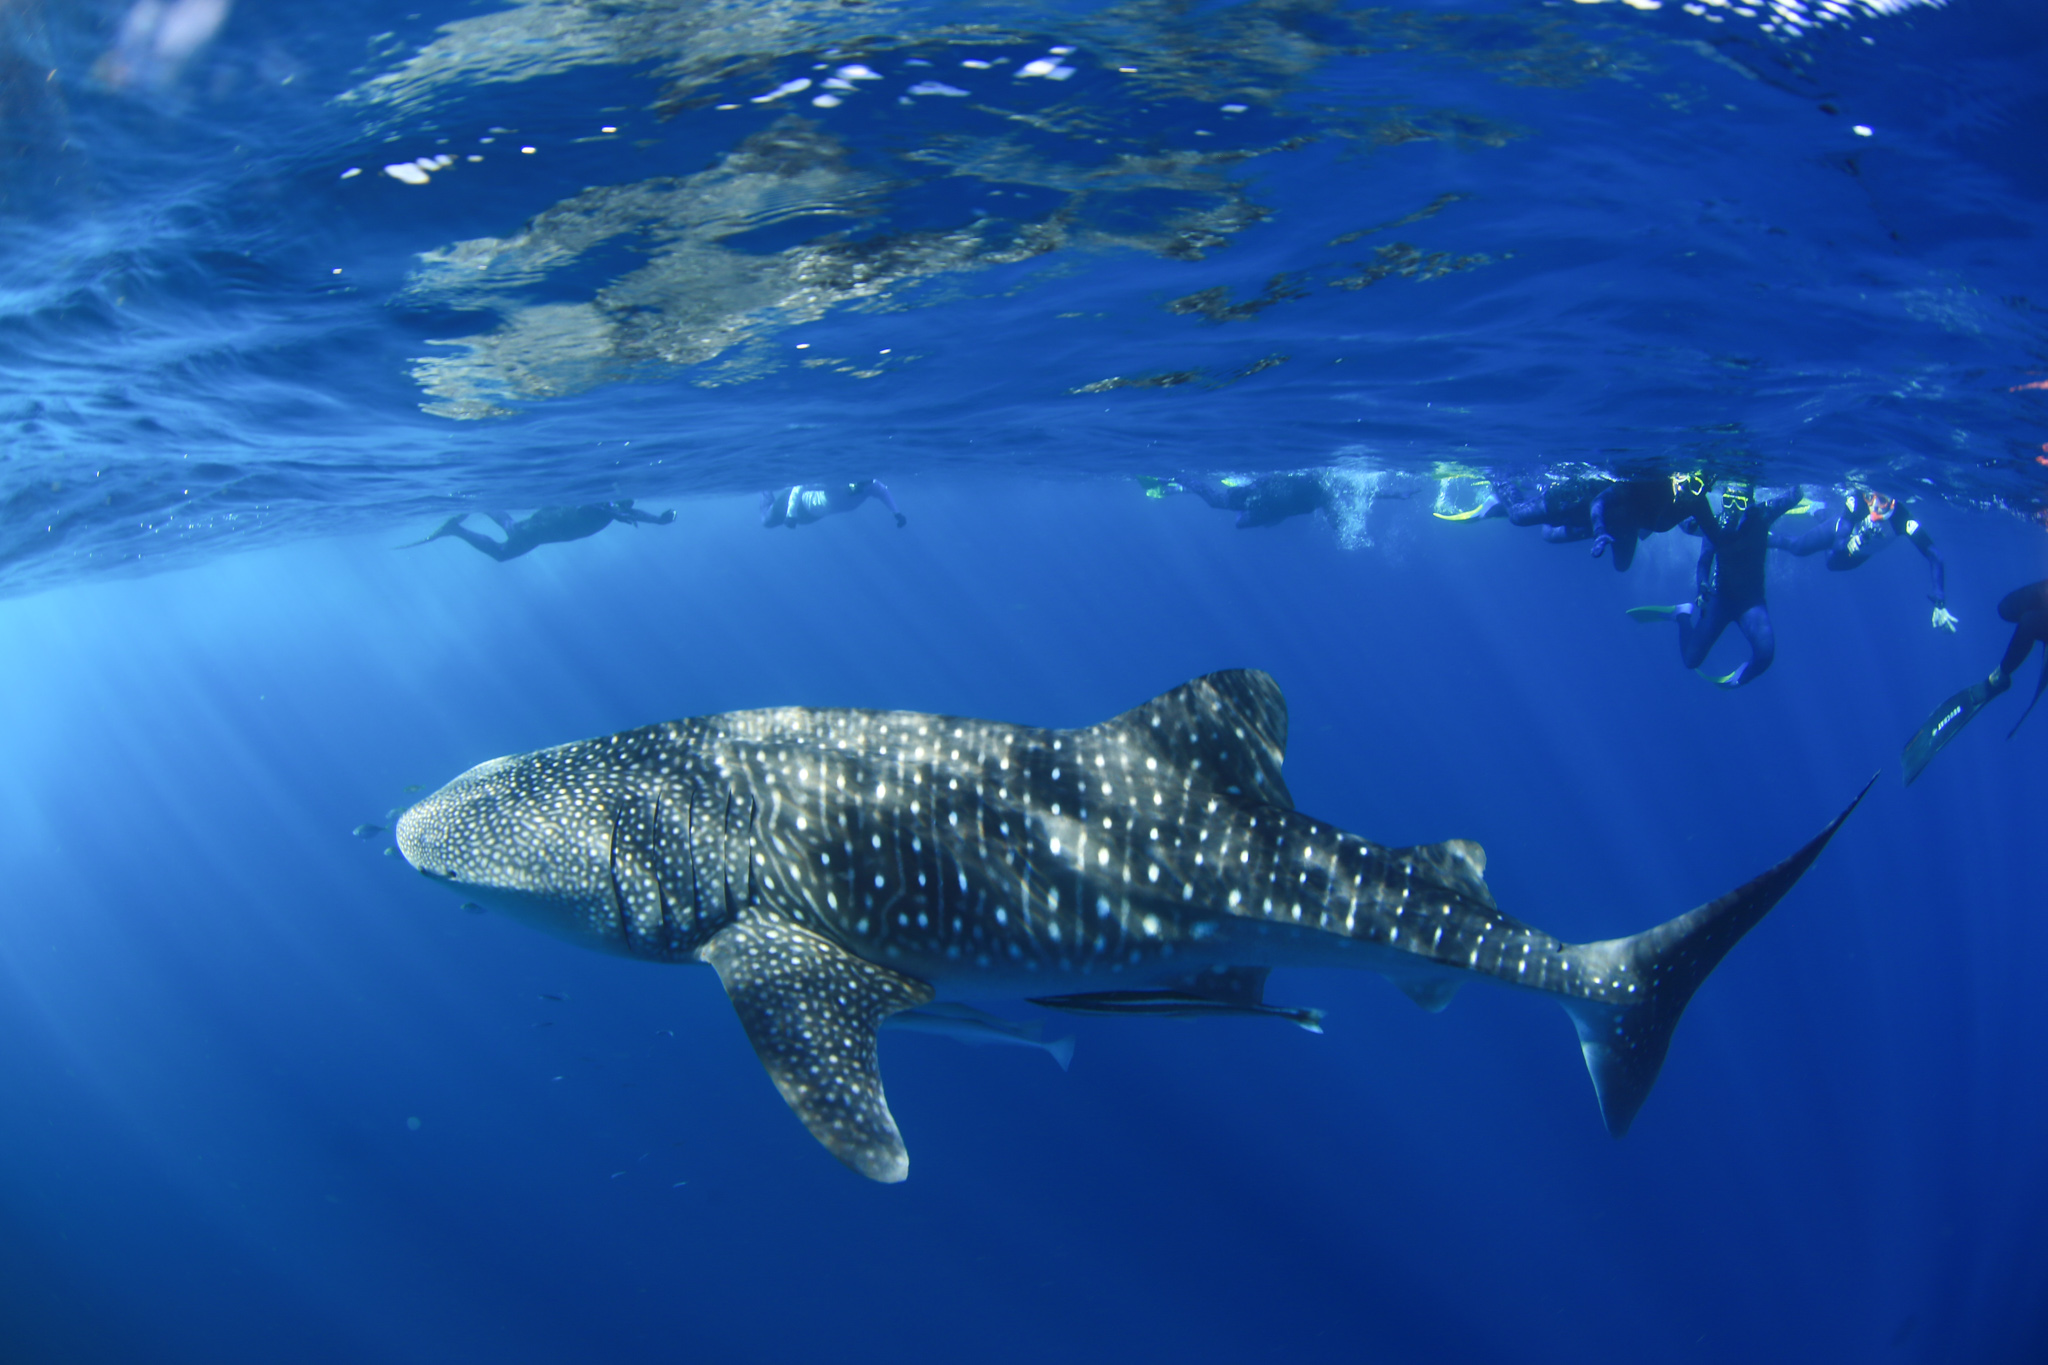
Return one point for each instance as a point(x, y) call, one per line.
point(1465, 515)
point(446, 528)
point(1653, 613)
point(1945, 724)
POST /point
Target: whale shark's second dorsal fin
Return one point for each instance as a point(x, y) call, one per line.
point(1227, 729)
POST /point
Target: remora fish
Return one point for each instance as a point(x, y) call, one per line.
point(835, 867)
point(966, 1024)
point(1219, 991)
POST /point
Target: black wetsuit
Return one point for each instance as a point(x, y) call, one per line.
point(802, 504)
point(1852, 537)
point(2027, 609)
point(1731, 588)
point(1636, 509)
point(1564, 508)
point(1266, 500)
point(547, 526)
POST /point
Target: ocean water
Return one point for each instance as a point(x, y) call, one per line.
point(284, 286)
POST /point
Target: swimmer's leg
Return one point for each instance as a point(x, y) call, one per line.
point(1222, 497)
point(500, 551)
point(2031, 629)
point(451, 527)
point(2040, 684)
point(1755, 625)
point(1699, 625)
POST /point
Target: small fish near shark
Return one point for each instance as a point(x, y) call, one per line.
point(838, 868)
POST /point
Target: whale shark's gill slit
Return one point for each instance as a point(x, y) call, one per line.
point(611, 870)
point(669, 924)
point(690, 853)
point(725, 871)
point(753, 819)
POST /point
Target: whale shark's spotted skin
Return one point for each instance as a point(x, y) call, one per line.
point(835, 866)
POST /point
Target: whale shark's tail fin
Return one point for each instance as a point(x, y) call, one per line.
point(1625, 1043)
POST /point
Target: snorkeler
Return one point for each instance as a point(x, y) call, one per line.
point(800, 505)
point(1635, 509)
point(545, 526)
point(1563, 507)
point(1263, 500)
point(1730, 583)
point(1859, 531)
point(2027, 609)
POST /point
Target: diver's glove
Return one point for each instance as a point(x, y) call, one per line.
point(1600, 544)
point(1944, 619)
point(901, 521)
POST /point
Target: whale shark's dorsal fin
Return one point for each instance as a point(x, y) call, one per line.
point(811, 1009)
point(1228, 729)
point(1469, 852)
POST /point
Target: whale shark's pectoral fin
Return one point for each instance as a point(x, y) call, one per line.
point(1433, 993)
point(811, 1009)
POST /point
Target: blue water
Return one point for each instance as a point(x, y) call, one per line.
point(270, 1096)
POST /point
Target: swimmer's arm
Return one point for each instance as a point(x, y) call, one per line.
point(1937, 571)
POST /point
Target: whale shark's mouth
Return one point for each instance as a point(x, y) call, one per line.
point(426, 827)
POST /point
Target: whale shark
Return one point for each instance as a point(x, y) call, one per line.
point(836, 867)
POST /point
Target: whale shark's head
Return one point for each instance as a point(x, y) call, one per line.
point(529, 834)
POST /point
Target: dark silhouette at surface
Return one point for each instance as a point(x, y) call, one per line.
point(2027, 609)
point(1266, 500)
point(800, 504)
point(1858, 531)
point(1730, 581)
point(1635, 509)
point(545, 526)
point(1563, 507)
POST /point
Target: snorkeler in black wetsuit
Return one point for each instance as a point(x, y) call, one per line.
point(801, 504)
point(2027, 609)
point(1730, 582)
point(1264, 500)
point(1636, 509)
point(1562, 507)
point(1859, 531)
point(546, 526)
